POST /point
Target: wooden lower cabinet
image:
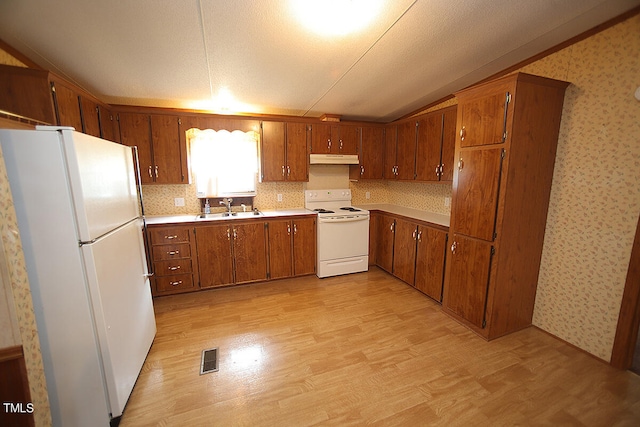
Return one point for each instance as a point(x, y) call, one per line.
point(431, 254)
point(292, 247)
point(173, 257)
point(231, 253)
point(412, 251)
point(470, 263)
point(404, 250)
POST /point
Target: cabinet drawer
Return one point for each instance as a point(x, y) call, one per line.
point(165, 252)
point(164, 235)
point(177, 283)
point(178, 266)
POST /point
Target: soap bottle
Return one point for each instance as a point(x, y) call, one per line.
point(207, 207)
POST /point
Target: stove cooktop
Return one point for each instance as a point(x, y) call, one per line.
point(323, 211)
point(350, 209)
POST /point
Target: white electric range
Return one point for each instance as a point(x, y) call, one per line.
point(342, 232)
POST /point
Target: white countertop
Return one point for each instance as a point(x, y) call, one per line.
point(434, 218)
point(179, 219)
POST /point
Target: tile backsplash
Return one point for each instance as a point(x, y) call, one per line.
point(160, 199)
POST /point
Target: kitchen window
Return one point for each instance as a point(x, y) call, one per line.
point(223, 163)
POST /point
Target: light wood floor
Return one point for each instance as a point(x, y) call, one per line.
point(361, 349)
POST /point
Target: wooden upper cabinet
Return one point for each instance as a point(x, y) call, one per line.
point(161, 157)
point(476, 195)
point(371, 154)
point(26, 92)
point(273, 157)
point(165, 140)
point(321, 142)
point(390, 151)
point(285, 153)
point(90, 117)
point(447, 157)
point(297, 152)
point(428, 147)
point(108, 124)
point(348, 139)
point(67, 105)
point(483, 120)
point(135, 131)
point(334, 139)
point(406, 151)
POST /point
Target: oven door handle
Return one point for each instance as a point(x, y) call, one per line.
point(344, 219)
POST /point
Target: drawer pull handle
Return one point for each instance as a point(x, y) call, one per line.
point(171, 237)
point(176, 283)
point(174, 268)
point(173, 253)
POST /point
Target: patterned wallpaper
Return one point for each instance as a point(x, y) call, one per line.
point(17, 270)
point(595, 196)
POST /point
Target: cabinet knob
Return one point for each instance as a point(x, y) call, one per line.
point(171, 237)
point(172, 253)
point(150, 174)
point(420, 236)
point(295, 229)
point(460, 164)
point(174, 268)
point(282, 170)
point(340, 144)
point(329, 143)
point(156, 171)
point(454, 245)
point(176, 283)
point(288, 171)
point(463, 133)
point(288, 230)
point(361, 170)
point(415, 234)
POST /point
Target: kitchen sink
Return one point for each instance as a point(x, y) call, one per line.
point(226, 215)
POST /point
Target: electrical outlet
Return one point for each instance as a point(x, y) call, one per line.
point(367, 195)
point(279, 196)
point(447, 202)
point(178, 201)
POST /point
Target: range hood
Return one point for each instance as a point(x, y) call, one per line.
point(334, 159)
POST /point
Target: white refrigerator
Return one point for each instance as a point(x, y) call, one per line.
point(79, 221)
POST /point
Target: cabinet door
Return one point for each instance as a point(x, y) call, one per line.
point(165, 136)
point(430, 259)
point(273, 151)
point(297, 152)
point(348, 140)
point(476, 193)
point(483, 120)
point(321, 139)
point(280, 251)
point(468, 279)
point(374, 218)
point(386, 238)
point(90, 117)
point(390, 151)
point(448, 144)
point(304, 246)
point(371, 156)
point(107, 124)
point(67, 106)
point(249, 252)
point(135, 130)
point(406, 154)
point(404, 251)
point(215, 263)
point(428, 147)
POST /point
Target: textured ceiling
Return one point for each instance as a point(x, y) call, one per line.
point(177, 53)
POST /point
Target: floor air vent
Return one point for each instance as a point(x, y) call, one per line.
point(209, 361)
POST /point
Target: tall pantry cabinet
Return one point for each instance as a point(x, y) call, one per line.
point(505, 153)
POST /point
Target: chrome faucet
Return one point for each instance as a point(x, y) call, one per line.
point(227, 203)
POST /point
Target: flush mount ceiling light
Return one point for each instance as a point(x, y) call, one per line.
point(222, 103)
point(336, 17)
